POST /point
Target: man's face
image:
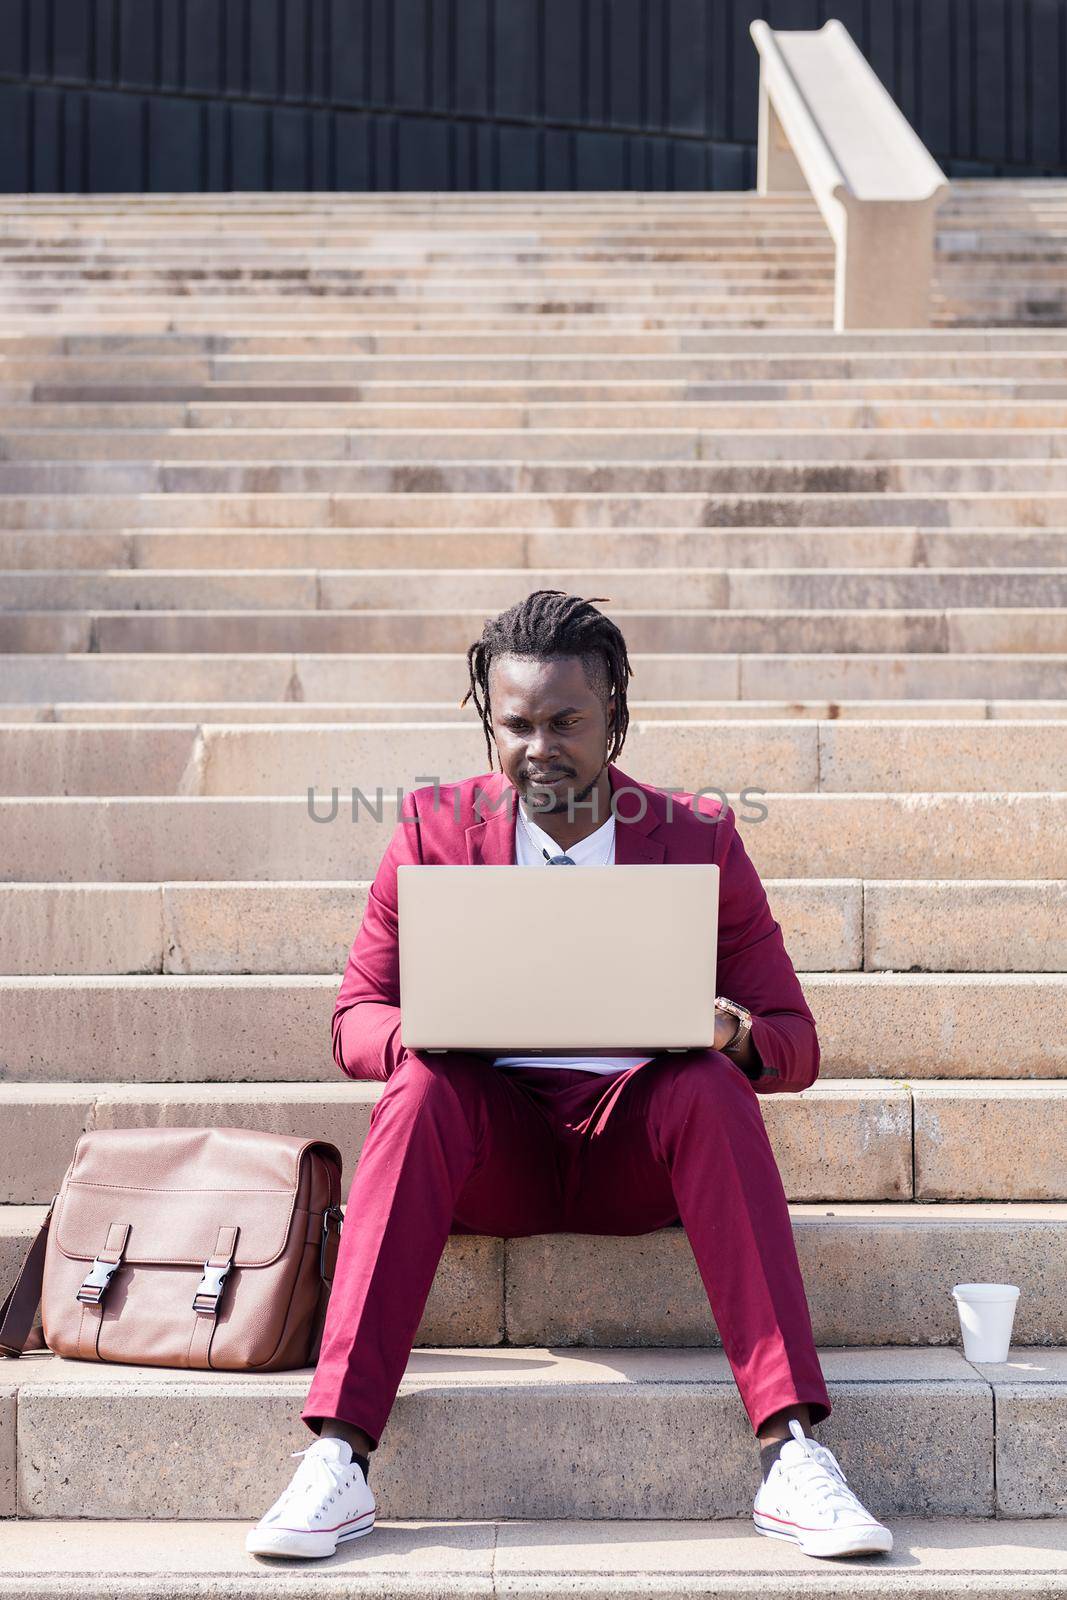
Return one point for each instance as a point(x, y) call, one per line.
point(550, 729)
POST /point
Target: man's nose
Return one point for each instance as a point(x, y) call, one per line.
point(540, 747)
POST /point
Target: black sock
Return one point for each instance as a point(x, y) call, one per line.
point(769, 1454)
point(364, 1462)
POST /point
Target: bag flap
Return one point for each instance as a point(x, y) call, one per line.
point(177, 1186)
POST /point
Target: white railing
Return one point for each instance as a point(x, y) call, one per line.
point(827, 124)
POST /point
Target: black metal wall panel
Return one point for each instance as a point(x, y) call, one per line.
point(169, 95)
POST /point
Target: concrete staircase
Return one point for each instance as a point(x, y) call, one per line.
point(266, 463)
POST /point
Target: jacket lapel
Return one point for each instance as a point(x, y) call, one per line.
point(638, 839)
point(492, 841)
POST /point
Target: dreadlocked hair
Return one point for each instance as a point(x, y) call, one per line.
point(550, 622)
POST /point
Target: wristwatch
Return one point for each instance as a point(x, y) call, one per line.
point(744, 1021)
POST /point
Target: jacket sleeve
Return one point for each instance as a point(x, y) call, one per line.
point(755, 970)
point(366, 1015)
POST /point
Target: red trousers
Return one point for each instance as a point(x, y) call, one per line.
point(456, 1145)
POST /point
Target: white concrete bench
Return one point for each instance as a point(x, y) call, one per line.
point(827, 124)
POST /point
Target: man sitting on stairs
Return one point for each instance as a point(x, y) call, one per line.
point(461, 1142)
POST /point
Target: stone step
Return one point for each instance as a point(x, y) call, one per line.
point(1007, 836)
point(624, 318)
point(409, 504)
point(780, 341)
point(393, 679)
point(263, 260)
point(404, 274)
point(389, 289)
point(752, 226)
point(207, 1028)
point(268, 244)
point(654, 1410)
point(433, 236)
point(1011, 630)
point(829, 925)
point(504, 287)
point(411, 549)
point(804, 756)
point(400, 270)
point(444, 711)
point(860, 1140)
point(651, 589)
point(401, 277)
point(992, 416)
point(483, 388)
point(92, 341)
point(802, 299)
point(605, 355)
point(643, 481)
point(517, 302)
point(266, 252)
point(937, 1558)
point(587, 444)
point(431, 231)
point(876, 1273)
point(95, 348)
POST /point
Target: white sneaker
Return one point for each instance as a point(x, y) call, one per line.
point(328, 1501)
point(807, 1500)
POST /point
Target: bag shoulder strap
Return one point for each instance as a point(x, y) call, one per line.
point(17, 1332)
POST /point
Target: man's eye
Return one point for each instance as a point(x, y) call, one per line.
point(520, 727)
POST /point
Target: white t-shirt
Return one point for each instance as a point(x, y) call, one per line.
point(596, 850)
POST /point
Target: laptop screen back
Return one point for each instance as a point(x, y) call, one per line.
point(600, 960)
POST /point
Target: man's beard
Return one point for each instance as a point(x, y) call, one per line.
point(561, 802)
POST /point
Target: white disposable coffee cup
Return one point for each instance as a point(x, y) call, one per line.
point(987, 1311)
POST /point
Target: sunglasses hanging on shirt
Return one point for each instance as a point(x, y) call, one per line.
point(553, 861)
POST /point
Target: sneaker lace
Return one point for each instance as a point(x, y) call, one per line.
point(819, 1473)
point(315, 1477)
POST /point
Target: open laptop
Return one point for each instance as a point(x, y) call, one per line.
point(499, 958)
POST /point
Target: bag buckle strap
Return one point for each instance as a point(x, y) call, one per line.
point(105, 1266)
point(330, 1215)
point(216, 1271)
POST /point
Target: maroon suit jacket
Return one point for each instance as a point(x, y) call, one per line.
point(753, 966)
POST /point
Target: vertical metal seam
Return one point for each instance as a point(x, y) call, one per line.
point(973, 73)
point(916, 69)
point(84, 180)
point(541, 43)
point(665, 89)
point(327, 51)
point(953, 73)
point(1008, 66)
point(29, 183)
point(1029, 99)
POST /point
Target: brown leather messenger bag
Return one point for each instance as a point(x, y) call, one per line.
point(184, 1247)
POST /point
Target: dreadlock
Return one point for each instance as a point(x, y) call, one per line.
point(550, 622)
